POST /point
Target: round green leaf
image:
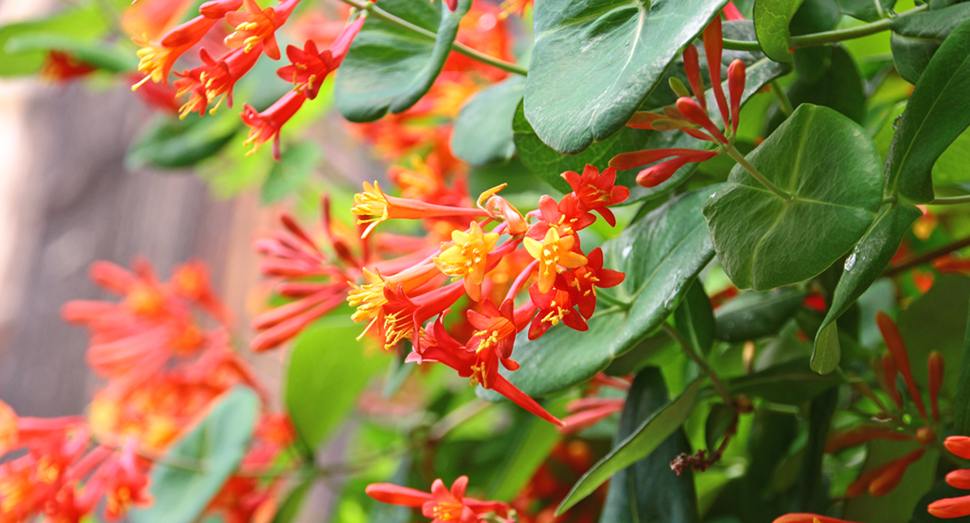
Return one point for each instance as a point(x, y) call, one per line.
point(388, 67)
point(830, 167)
point(771, 19)
point(866, 10)
point(792, 382)
point(198, 463)
point(753, 315)
point(483, 130)
point(596, 62)
point(694, 319)
point(326, 372)
point(171, 143)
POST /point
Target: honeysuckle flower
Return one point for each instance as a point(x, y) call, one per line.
point(309, 67)
point(884, 478)
point(862, 434)
point(935, 368)
point(158, 58)
point(62, 67)
point(401, 316)
point(584, 280)
point(441, 504)
point(256, 26)
point(896, 347)
point(438, 346)
point(266, 125)
point(587, 412)
point(808, 518)
point(466, 256)
point(597, 190)
point(370, 298)
point(220, 76)
point(378, 207)
point(496, 330)
point(957, 507)
point(554, 307)
point(123, 481)
point(554, 253)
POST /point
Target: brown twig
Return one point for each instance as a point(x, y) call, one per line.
point(924, 258)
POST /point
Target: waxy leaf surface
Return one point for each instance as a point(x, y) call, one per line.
point(645, 491)
point(389, 68)
point(640, 443)
point(861, 268)
point(830, 167)
point(792, 382)
point(661, 255)
point(752, 315)
point(937, 113)
point(483, 131)
point(596, 62)
point(215, 447)
point(866, 10)
point(771, 19)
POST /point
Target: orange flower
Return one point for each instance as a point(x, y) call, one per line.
point(554, 252)
point(378, 207)
point(265, 126)
point(466, 256)
point(255, 26)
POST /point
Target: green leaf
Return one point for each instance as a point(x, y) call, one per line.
point(295, 167)
point(862, 267)
point(839, 87)
point(719, 420)
point(912, 55)
point(483, 130)
point(961, 402)
point(754, 315)
point(900, 504)
point(171, 143)
point(951, 167)
point(548, 164)
point(771, 19)
point(829, 166)
point(290, 508)
point(595, 62)
point(388, 67)
point(938, 111)
point(326, 372)
point(640, 443)
point(792, 383)
point(810, 493)
point(79, 24)
point(694, 319)
point(937, 321)
point(531, 448)
point(199, 462)
point(935, 24)
point(866, 10)
point(661, 256)
point(648, 490)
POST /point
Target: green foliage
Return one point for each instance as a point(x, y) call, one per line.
point(753, 315)
point(694, 319)
point(643, 440)
point(595, 63)
point(77, 27)
point(791, 383)
point(788, 241)
point(645, 491)
point(389, 68)
point(961, 401)
point(294, 169)
point(771, 19)
point(171, 143)
point(327, 370)
point(483, 131)
point(937, 113)
point(198, 463)
point(866, 10)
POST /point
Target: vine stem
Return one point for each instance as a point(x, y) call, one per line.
point(825, 37)
point(916, 261)
point(738, 157)
point(701, 362)
point(783, 102)
point(377, 12)
point(950, 200)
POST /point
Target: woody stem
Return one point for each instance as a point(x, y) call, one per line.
point(701, 362)
point(918, 260)
point(738, 157)
point(377, 12)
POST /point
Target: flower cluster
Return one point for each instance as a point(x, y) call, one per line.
point(163, 351)
point(690, 114)
point(441, 504)
point(254, 35)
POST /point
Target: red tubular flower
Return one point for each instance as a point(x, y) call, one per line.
point(442, 505)
point(157, 58)
point(862, 434)
point(654, 176)
point(960, 506)
point(736, 81)
point(713, 47)
point(693, 112)
point(309, 67)
point(731, 12)
point(256, 26)
point(803, 517)
point(554, 307)
point(587, 412)
point(887, 379)
point(884, 478)
point(584, 280)
point(402, 316)
point(630, 160)
point(935, 367)
point(62, 67)
point(219, 8)
point(379, 207)
point(265, 126)
point(693, 70)
point(949, 508)
point(896, 346)
point(220, 76)
point(496, 330)
point(597, 191)
point(439, 346)
point(959, 445)
point(959, 479)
